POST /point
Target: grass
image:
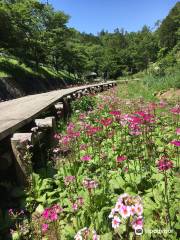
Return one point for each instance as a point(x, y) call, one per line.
point(10, 67)
point(148, 86)
point(133, 90)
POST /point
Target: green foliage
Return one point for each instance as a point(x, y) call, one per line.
point(84, 104)
point(170, 28)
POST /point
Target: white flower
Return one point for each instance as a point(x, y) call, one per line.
point(111, 215)
point(115, 222)
point(78, 237)
point(125, 211)
point(139, 209)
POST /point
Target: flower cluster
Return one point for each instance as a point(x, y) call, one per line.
point(106, 121)
point(127, 207)
point(121, 159)
point(175, 110)
point(136, 120)
point(164, 163)
point(175, 143)
point(69, 179)
point(78, 203)
point(15, 213)
point(50, 215)
point(91, 130)
point(90, 184)
point(86, 158)
point(115, 113)
point(178, 131)
point(86, 233)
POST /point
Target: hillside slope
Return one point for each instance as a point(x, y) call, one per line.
point(17, 79)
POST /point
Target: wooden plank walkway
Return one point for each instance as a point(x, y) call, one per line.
point(16, 113)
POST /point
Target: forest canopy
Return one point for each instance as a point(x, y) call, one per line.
point(36, 34)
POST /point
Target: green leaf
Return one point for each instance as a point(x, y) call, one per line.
point(42, 199)
point(39, 208)
point(117, 183)
point(106, 236)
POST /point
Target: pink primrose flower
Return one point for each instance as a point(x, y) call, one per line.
point(137, 223)
point(86, 158)
point(116, 222)
point(125, 211)
point(175, 110)
point(175, 143)
point(178, 131)
point(106, 121)
point(121, 159)
point(69, 179)
point(44, 227)
point(164, 164)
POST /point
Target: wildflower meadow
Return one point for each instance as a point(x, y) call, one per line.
point(113, 173)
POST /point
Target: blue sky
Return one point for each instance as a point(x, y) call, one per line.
point(92, 16)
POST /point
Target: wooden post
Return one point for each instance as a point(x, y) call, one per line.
point(48, 122)
point(23, 164)
point(59, 109)
point(48, 126)
point(66, 107)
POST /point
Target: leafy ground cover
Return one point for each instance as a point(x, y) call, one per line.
point(113, 174)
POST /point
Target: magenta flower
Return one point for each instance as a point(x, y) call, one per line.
point(135, 129)
point(121, 159)
point(75, 206)
point(51, 214)
point(65, 140)
point(115, 113)
point(80, 201)
point(83, 146)
point(106, 122)
point(86, 158)
point(69, 179)
point(75, 134)
point(57, 136)
point(70, 128)
point(145, 117)
point(126, 169)
point(164, 164)
point(44, 227)
point(137, 223)
point(90, 184)
point(57, 208)
point(46, 213)
point(10, 211)
point(152, 106)
point(178, 131)
point(175, 110)
point(162, 104)
point(92, 130)
point(175, 143)
point(95, 236)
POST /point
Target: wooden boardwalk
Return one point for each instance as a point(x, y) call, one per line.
point(16, 113)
